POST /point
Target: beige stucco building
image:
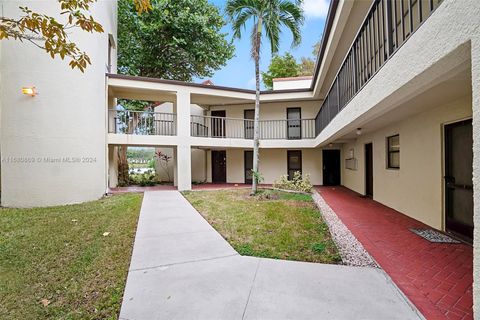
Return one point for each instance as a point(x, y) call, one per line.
point(392, 112)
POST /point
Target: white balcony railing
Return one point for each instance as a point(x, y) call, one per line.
point(164, 124)
point(220, 127)
point(142, 123)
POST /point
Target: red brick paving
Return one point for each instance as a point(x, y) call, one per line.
point(139, 189)
point(436, 277)
point(218, 186)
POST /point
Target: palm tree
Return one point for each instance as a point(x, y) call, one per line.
point(271, 16)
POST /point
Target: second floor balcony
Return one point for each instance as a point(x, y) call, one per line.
point(165, 124)
point(235, 128)
point(142, 123)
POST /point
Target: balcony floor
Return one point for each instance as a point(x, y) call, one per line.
point(436, 277)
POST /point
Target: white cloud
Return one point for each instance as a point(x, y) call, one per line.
point(316, 8)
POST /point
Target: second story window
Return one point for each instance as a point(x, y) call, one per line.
point(393, 152)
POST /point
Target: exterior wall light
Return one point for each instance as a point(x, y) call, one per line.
point(359, 131)
point(30, 91)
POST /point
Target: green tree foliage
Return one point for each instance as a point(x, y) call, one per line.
point(307, 64)
point(52, 35)
point(280, 67)
point(177, 39)
point(306, 67)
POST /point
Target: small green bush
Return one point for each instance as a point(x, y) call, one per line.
point(298, 183)
point(146, 179)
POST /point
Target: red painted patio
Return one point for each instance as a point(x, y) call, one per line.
point(139, 189)
point(436, 277)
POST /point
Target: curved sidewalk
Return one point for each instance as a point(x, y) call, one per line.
point(182, 268)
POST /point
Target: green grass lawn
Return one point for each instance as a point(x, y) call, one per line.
point(59, 262)
point(273, 224)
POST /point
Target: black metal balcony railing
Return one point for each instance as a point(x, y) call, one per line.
point(220, 127)
point(388, 24)
point(141, 123)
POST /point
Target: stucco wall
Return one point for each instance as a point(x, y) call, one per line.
point(416, 189)
point(198, 165)
point(198, 155)
point(476, 171)
point(54, 145)
point(273, 164)
point(299, 83)
point(272, 111)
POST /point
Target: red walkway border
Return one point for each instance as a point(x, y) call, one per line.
point(436, 277)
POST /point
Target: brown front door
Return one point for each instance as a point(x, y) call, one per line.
point(219, 166)
point(249, 116)
point(294, 162)
point(218, 124)
point(369, 170)
point(248, 159)
point(458, 179)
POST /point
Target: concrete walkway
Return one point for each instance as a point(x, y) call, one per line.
point(182, 268)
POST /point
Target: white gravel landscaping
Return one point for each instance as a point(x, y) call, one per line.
point(351, 250)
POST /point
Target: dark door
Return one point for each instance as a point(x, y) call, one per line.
point(331, 167)
point(249, 116)
point(458, 179)
point(369, 170)
point(218, 124)
point(219, 166)
point(294, 124)
point(248, 156)
point(294, 162)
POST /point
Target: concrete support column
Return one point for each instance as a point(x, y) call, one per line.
point(184, 149)
point(476, 172)
point(209, 166)
point(175, 173)
point(184, 167)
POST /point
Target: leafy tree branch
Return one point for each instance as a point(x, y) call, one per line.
point(51, 35)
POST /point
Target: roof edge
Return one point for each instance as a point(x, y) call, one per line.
point(300, 78)
point(199, 85)
point(332, 10)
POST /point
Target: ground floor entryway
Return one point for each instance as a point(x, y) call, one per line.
point(459, 179)
point(331, 167)
point(436, 277)
point(219, 166)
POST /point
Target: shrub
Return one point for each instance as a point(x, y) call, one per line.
point(146, 179)
point(298, 183)
point(257, 175)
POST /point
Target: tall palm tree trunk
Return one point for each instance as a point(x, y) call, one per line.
point(256, 130)
point(123, 176)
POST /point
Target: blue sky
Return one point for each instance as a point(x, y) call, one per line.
point(239, 71)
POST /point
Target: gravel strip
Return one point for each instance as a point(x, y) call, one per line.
point(351, 250)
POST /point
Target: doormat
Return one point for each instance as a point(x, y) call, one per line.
point(433, 235)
